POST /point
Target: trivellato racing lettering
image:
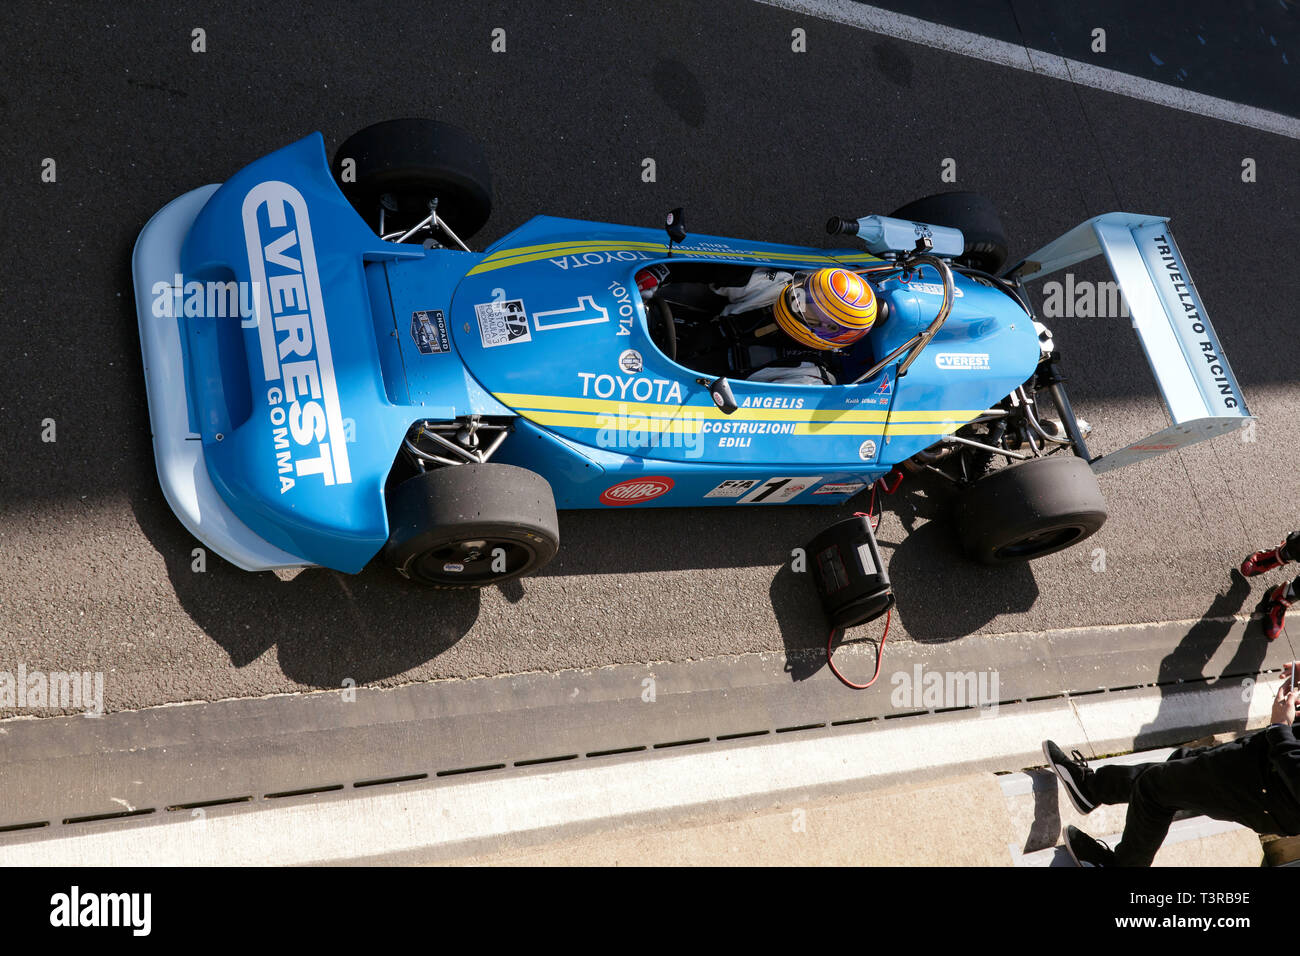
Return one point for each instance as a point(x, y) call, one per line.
point(1193, 316)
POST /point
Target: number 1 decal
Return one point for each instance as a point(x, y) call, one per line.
point(776, 491)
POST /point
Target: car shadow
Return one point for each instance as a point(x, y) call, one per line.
point(326, 627)
point(942, 594)
point(630, 541)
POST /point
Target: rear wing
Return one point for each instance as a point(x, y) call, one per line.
point(1197, 386)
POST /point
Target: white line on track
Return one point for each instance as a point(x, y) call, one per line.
point(901, 27)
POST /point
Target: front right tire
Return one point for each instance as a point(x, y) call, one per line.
point(404, 163)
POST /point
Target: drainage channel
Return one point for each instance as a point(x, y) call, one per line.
point(197, 806)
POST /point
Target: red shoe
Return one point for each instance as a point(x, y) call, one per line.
point(1262, 561)
point(1273, 608)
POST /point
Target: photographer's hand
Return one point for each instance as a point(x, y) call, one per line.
point(1284, 704)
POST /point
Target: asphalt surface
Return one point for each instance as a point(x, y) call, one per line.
point(1246, 51)
point(755, 140)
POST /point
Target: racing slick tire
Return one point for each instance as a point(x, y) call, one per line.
point(977, 218)
point(470, 526)
point(1030, 510)
point(410, 161)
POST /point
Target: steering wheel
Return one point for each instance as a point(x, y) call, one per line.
point(662, 330)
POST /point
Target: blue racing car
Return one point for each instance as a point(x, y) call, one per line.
point(333, 374)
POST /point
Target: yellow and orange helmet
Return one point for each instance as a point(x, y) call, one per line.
point(826, 309)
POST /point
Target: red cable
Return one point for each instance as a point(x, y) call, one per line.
point(880, 650)
point(874, 520)
point(870, 514)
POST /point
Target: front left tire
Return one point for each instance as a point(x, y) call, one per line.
point(471, 525)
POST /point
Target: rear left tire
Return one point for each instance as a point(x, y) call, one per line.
point(1030, 510)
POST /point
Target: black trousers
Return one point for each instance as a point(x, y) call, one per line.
point(1233, 781)
point(1291, 549)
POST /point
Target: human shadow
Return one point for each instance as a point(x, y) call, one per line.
point(1187, 662)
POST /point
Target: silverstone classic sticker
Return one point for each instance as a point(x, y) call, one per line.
point(636, 490)
point(502, 323)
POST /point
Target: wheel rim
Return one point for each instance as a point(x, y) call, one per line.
point(472, 561)
point(1040, 542)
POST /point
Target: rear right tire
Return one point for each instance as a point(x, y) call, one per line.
point(977, 218)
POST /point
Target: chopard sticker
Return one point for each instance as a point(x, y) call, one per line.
point(429, 329)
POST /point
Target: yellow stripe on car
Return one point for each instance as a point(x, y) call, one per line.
point(613, 407)
point(692, 425)
point(521, 255)
point(598, 420)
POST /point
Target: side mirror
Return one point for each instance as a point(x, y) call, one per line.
point(675, 224)
point(720, 392)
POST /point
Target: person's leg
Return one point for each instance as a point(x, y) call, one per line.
point(1086, 787)
point(1110, 784)
point(1151, 810)
point(1147, 821)
point(1274, 606)
point(1114, 782)
point(1222, 782)
point(1267, 560)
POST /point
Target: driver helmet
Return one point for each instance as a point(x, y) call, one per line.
point(827, 309)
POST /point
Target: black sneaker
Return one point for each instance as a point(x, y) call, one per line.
point(1085, 851)
point(1074, 775)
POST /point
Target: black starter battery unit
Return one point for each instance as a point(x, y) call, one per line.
point(850, 577)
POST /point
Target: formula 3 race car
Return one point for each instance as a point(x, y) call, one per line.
point(332, 374)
